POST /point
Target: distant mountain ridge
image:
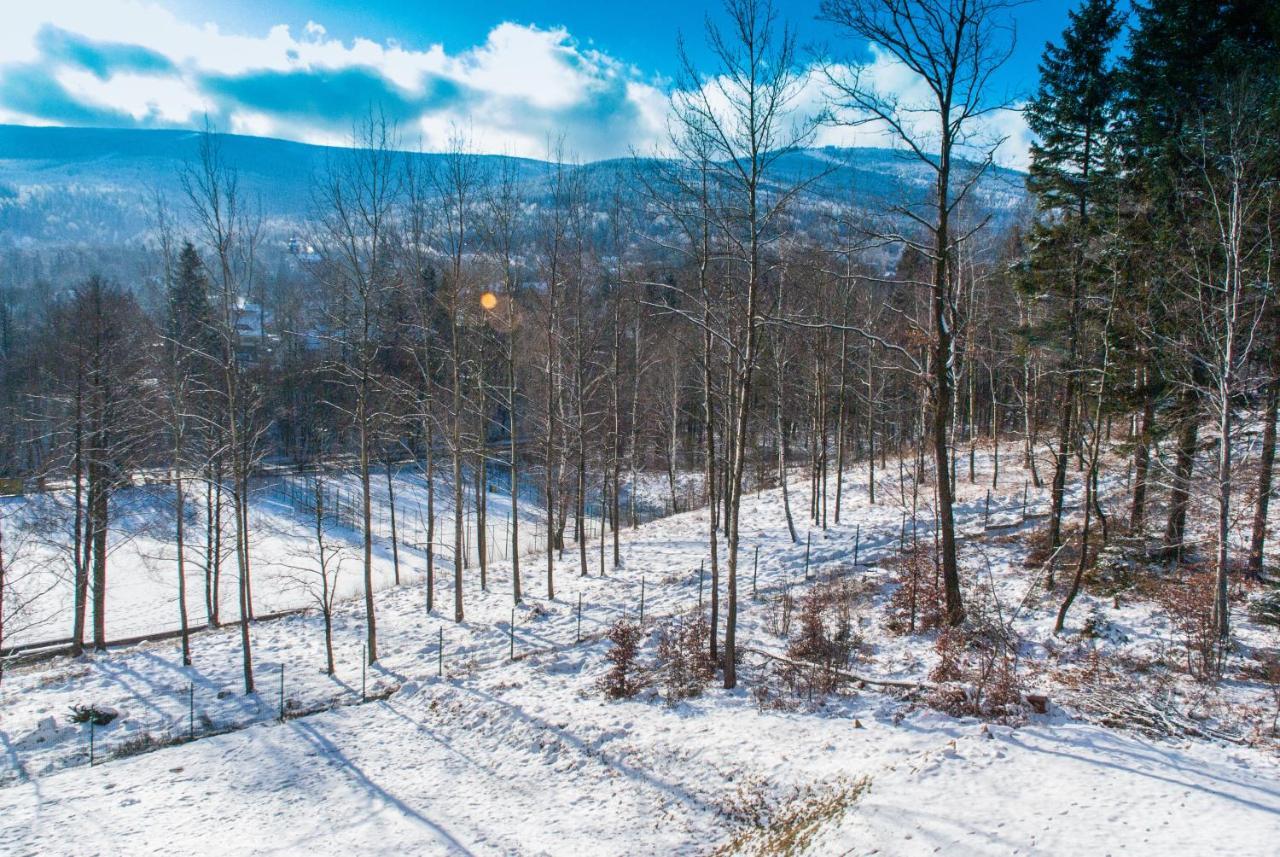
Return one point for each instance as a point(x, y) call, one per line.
point(94, 185)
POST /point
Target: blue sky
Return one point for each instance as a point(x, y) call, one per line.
point(642, 33)
point(512, 74)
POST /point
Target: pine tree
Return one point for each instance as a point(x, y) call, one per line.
point(189, 322)
point(1180, 55)
point(1071, 115)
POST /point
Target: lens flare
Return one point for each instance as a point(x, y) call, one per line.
point(488, 300)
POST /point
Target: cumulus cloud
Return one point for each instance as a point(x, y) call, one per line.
point(1004, 129)
point(133, 63)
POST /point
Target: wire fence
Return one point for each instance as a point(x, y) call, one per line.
point(414, 521)
point(198, 711)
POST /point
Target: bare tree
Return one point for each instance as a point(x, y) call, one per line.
point(357, 198)
point(954, 47)
point(230, 234)
point(318, 580)
point(742, 116)
point(1232, 196)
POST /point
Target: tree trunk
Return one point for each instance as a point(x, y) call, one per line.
point(180, 512)
point(1142, 458)
point(941, 365)
point(98, 506)
point(1180, 490)
point(366, 524)
point(1266, 463)
point(395, 543)
point(431, 516)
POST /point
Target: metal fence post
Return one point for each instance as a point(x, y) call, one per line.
point(755, 566)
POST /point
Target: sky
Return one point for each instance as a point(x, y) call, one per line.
point(511, 76)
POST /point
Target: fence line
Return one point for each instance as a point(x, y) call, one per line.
point(189, 728)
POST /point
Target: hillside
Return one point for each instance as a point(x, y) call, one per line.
point(91, 185)
point(486, 737)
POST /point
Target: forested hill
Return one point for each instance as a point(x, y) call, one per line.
point(94, 186)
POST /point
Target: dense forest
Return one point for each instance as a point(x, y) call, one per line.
point(700, 313)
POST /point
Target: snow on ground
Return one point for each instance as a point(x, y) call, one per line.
point(518, 762)
point(526, 756)
point(142, 592)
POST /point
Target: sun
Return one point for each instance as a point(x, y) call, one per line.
point(488, 300)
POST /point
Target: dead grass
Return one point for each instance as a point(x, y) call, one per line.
point(791, 827)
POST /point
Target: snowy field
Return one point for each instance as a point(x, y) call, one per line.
point(142, 592)
point(465, 750)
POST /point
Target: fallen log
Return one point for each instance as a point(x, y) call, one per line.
point(846, 674)
point(1037, 702)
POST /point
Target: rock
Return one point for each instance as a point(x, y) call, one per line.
point(1039, 703)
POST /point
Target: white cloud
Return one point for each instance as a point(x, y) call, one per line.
point(518, 89)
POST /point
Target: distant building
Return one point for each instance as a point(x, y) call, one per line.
point(254, 343)
point(302, 251)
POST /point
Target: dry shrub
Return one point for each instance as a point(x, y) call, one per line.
point(917, 604)
point(977, 676)
point(1037, 554)
point(1188, 603)
point(825, 641)
point(623, 679)
point(144, 742)
point(1265, 668)
point(820, 655)
point(778, 617)
point(684, 658)
point(950, 647)
point(1265, 608)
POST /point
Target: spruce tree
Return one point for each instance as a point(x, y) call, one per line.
point(1071, 115)
point(188, 324)
point(1181, 53)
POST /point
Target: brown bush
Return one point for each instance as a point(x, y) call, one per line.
point(978, 677)
point(917, 604)
point(825, 641)
point(623, 679)
point(778, 617)
point(1188, 603)
point(684, 657)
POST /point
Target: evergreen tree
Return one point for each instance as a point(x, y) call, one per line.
point(1181, 53)
point(188, 323)
point(1071, 116)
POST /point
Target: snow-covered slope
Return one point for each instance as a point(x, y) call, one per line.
point(526, 756)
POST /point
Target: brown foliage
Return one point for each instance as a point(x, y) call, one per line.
point(684, 658)
point(978, 677)
point(917, 604)
point(1189, 605)
point(623, 679)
